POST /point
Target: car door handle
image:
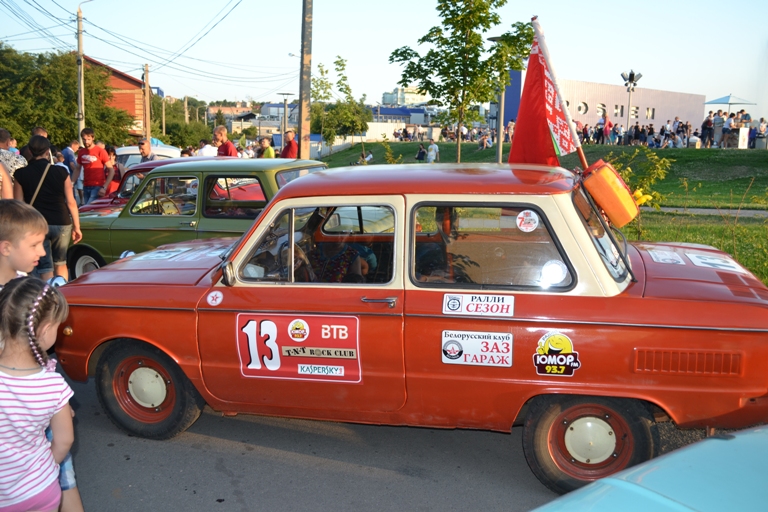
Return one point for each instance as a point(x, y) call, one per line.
point(191, 223)
point(388, 300)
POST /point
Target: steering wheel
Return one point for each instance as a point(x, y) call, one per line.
point(165, 204)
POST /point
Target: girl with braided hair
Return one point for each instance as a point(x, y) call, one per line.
point(32, 397)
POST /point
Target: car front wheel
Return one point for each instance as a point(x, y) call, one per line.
point(82, 261)
point(570, 441)
point(144, 392)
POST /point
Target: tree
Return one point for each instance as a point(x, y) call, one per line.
point(321, 94)
point(346, 116)
point(41, 90)
point(220, 120)
point(457, 70)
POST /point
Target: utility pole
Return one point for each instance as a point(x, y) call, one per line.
point(147, 114)
point(305, 84)
point(80, 73)
point(186, 111)
point(284, 124)
point(163, 100)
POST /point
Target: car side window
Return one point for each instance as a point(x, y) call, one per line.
point(167, 196)
point(130, 185)
point(233, 197)
point(486, 246)
point(326, 245)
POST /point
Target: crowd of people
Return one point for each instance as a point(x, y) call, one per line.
point(220, 145)
point(717, 130)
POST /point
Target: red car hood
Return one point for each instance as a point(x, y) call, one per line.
point(182, 263)
point(697, 272)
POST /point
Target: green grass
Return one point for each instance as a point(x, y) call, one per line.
point(745, 238)
point(716, 178)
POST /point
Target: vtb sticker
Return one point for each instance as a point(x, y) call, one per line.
point(482, 305)
point(477, 348)
point(555, 355)
point(322, 348)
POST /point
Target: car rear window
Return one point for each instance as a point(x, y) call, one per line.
point(481, 246)
point(233, 197)
point(285, 177)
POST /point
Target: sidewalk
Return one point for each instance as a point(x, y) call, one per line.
point(711, 211)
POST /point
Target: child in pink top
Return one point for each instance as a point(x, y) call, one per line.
point(32, 397)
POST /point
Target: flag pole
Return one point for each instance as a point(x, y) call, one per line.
point(545, 53)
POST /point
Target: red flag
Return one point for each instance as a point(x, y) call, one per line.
point(543, 130)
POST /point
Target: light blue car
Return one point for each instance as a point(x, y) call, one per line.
point(720, 473)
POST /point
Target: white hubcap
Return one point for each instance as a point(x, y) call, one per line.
point(147, 387)
point(590, 440)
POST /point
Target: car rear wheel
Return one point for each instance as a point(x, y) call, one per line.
point(84, 260)
point(144, 392)
point(570, 441)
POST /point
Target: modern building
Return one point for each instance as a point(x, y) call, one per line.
point(588, 101)
point(403, 96)
point(398, 115)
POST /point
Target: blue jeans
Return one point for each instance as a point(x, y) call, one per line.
point(90, 194)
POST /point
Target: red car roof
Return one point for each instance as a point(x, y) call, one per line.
point(433, 179)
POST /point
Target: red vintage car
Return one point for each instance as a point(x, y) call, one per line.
point(446, 296)
point(130, 181)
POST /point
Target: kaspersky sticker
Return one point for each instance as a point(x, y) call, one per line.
point(555, 355)
point(477, 304)
point(477, 348)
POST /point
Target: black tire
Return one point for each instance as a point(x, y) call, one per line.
point(570, 441)
point(83, 260)
point(131, 376)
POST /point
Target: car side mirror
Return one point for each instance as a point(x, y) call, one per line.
point(333, 221)
point(228, 276)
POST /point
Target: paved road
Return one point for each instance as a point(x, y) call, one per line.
point(711, 211)
point(250, 463)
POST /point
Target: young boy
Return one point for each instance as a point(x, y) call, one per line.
point(22, 232)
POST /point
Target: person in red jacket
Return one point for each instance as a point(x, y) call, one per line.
point(226, 148)
point(291, 149)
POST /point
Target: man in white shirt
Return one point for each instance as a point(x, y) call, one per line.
point(206, 149)
point(433, 152)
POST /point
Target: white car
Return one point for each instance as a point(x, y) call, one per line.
point(128, 156)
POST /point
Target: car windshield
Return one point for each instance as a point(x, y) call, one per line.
point(285, 177)
point(604, 242)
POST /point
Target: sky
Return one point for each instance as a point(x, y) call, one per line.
point(238, 49)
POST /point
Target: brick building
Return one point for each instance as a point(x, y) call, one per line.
point(126, 95)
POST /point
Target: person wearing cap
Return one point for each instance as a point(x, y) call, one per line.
point(145, 149)
point(291, 149)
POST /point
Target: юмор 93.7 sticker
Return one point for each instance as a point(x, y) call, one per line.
point(324, 348)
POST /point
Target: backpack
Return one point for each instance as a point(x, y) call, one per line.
point(663, 131)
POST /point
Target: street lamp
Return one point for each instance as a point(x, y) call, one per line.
point(630, 81)
point(499, 110)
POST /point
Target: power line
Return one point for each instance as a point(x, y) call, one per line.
point(33, 31)
point(33, 25)
point(181, 52)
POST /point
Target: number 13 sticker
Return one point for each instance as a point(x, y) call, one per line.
point(314, 347)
